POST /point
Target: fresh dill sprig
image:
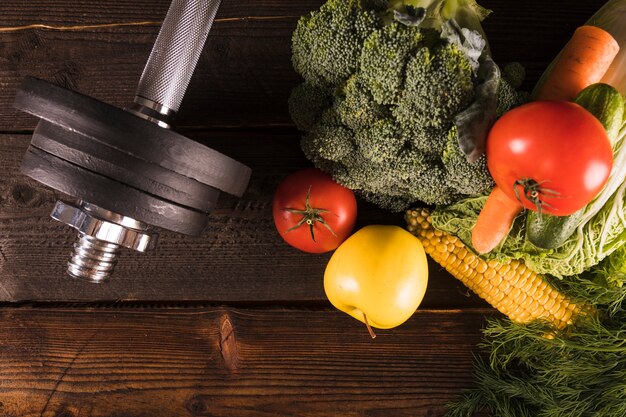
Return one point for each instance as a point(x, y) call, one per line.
point(535, 370)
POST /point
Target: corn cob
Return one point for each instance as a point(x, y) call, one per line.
point(510, 287)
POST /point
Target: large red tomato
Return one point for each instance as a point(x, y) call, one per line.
point(549, 155)
point(312, 212)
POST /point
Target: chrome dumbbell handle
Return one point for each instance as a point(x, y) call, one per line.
point(173, 58)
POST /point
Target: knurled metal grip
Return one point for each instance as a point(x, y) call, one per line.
point(175, 54)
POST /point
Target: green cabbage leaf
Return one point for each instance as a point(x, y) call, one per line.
point(593, 240)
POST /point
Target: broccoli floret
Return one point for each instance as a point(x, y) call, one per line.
point(438, 86)
point(356, 106)
point(358, 173)
point(423, 178)
point(306, 105)
point(431, 187)
point(514, 74)
point(395, 184)
point(363, 174)
point(383, 59)
point(328, 141)
point(508, 96)
point(412, 177)
point(427, 139)
point(326, 45)
point(381, 142)
point(465, 178)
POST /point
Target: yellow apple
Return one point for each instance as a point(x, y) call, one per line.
point(378, 276)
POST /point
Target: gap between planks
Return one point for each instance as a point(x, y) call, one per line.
point(78, 28)
point(278, 128)
point(200, 305)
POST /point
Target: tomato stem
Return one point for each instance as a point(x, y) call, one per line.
point(369, 328)
point(533, 191)
point(310, 216)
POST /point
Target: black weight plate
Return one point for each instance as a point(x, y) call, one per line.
point(131, 134)
point(110, 195)
point(109, 162)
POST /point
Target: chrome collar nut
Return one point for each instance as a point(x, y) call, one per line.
point(101, 236)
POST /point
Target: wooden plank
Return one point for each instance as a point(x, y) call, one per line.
point(240, 258)
point(229, 362)
point(244, 76)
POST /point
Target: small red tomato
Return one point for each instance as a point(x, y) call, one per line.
point(549, 155)
point(312, 212)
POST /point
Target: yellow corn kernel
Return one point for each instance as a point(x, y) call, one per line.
point(496, 279)
point(510, 287)
point(481, 267)
point(499, 296)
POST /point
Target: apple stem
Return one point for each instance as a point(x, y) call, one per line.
point(369, 328)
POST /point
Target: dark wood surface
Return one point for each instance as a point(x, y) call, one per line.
point(234, 323)
point(241, 258)
point(244, 75)
point(229, 362)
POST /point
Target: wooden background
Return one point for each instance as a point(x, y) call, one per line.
point(234, 323)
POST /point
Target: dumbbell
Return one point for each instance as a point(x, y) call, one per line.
point(129, 172)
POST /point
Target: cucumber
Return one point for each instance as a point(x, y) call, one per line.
point(607, 104)
point(549, 232)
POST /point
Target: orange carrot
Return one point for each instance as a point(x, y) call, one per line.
point(582, 62)
point(494, 221)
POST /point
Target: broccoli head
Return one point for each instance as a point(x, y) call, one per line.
point(381, 96)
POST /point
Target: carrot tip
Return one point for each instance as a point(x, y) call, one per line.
point(494, 221)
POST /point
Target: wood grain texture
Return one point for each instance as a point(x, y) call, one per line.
point(240, 258)
point(111, 361)
point(227, 362)
point(244, 75)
